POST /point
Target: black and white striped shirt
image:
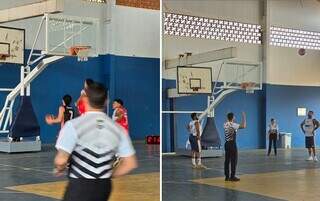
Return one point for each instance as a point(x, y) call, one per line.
point(230, 131)
point(92, 140)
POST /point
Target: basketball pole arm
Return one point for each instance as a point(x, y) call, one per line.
point(215, 103)
point(32, 75)
point(26, 81)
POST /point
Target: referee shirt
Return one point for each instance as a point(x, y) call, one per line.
point(92, 140)
point(230, 131)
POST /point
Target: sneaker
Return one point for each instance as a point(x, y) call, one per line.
point(310, 158)
point(235, 179)
point(201, 166)
point(227, 179)
point(194, 166)
point(315, 159)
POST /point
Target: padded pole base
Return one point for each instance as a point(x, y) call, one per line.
point(18, 147)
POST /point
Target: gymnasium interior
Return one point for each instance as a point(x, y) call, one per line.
point(124, 55)
point(279, 38)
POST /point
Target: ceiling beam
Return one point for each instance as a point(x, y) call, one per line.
point(206, 57)
point(31, 10)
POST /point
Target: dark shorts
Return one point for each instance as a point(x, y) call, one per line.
point(273, 136)
point(88, 190)
point(194, 143)
point(310, 142)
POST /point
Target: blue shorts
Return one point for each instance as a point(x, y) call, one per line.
point(194, 143)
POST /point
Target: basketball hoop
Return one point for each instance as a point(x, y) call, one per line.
point(3, 56)
point(80, 51)
point(248, 86)
point(195, 89)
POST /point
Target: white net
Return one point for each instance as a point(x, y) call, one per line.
point(83, 54)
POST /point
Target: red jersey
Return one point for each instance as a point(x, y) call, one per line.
point(81, 107)
point(123, 121)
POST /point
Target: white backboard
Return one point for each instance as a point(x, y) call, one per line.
point(64, 32)
point(12, 43)
point(194, 80)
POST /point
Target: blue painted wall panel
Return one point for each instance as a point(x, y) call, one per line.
point(282, 103)
point(138, 86)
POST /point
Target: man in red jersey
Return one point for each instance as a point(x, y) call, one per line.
point(120, 114)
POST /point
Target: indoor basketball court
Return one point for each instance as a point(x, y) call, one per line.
point(48, 49)
point(256, 57)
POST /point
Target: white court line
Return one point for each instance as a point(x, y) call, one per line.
point(26, 168)
point(179, 182)
point(12, 192)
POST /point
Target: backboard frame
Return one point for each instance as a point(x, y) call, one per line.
point(179, 91)
point(248, 68)
point(22, 61)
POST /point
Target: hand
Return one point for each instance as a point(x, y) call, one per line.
point(58, 173)
point(49, 119)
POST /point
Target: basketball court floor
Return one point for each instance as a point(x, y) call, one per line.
point(285, 177)
point(29, 177)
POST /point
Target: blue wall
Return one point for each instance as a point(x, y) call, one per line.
point(274, 101)
point(137, 86)
point(136, 81)
point(282, 103)
point(253, 104)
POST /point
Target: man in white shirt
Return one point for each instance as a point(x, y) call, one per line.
point(195, 142)
point(231, 155)
point(273, 132)
point(89, 144)
point(308, 127)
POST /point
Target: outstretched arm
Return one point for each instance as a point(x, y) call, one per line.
point(55, 120)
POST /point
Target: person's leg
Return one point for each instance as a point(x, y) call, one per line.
point(309, 147)
point(234, 160)
point(314, 150)
point(227, 160)
point(275, 145)
point(269, 148)
point(198, 153)
point(193, 151)
point(193, 157)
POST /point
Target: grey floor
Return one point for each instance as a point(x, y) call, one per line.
point(177, 174)
point(32, 168)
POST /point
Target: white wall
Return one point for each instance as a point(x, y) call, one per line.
point(285, 66)
point(135, 32)
point(237, 10)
